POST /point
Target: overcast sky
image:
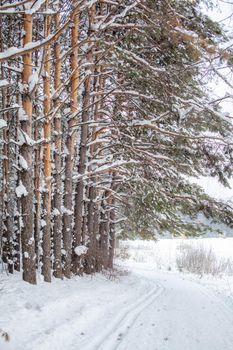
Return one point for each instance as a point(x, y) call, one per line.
point(223, 13)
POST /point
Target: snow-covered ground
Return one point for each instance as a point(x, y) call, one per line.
point(163, 253)
point(147, 305)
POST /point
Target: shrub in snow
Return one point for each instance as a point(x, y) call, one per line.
point(116, 273)
point(122, 252)
point(200, 260)
point(4, 335)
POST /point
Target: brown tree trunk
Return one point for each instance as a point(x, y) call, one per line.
point(8, 191)
point(79, 195)
point(92, 208)
point(10, 226)
point(8, 176)
point(37, 183)
point(37, 214)
point(112, 219)
point(28, 243)
point(70, 144)
point(92, 247)
point(46, 243)
point(17, 257)
point(112, 235)
point(104, 233)
point(57, 229)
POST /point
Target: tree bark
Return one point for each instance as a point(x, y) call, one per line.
point(46, 243)
point(112, 219)
point(70, 144)
point(28, 243)
point(37, 180)
point(57, 229)
point(80, 187)
point(92, 208)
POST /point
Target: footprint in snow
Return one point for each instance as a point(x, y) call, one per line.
point(120, 335)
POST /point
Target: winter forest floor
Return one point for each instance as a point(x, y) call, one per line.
point(147, 305)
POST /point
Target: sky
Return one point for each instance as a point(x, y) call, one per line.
point(221, 13)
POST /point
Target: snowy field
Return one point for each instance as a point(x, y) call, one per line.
point(149, 303)
point(163, 253)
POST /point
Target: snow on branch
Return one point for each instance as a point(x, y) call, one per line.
point(149, 125)
point(15, 51)
point(105, 169)
point(140, 60)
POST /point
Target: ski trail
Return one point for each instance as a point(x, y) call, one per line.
point(172, 313)
point(146, 310)
point(122, 323)
point(83, 321)
point(185, 316)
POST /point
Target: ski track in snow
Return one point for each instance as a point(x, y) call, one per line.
point(122, 323)
point(186, 315)
point(148, 310)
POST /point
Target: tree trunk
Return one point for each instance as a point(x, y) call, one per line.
point(70, 144)
point(17, 257)
point(28, 243)
point(112, 219)
point(37, 214)
point(104, 233)
point(46, 243)
point(57, 229)
point(79, 205)
point(92, 208)
point(8, 193)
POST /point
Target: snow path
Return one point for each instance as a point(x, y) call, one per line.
point(146, 310)
point(185, 316)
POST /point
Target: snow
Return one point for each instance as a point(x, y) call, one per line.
point(23, 163)
point(4, 83)
point(80, 250)
point(3, 124)
point(214, 188)
point(66, 211)
point(42, 223)
point(22, 115)
point(36, 6)
point(17, 51)
point(21, 190)
point(141, 305)
point(25, 138)
point(163, 254)
point(33, 80)
point(56, 212)
point(187, 32)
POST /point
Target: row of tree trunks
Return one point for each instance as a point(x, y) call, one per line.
point(48, 217)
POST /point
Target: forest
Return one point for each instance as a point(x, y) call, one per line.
point(105, 115)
